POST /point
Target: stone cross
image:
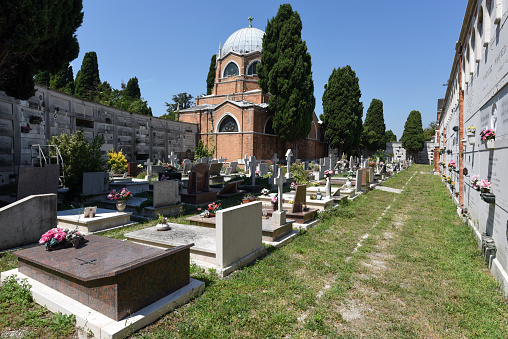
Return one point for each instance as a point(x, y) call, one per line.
point(289, 155)
point(173, 159)
point(253, 163)
point(279, 181)
point(246, 162)
point(275, 166)
point(148, 164)
point(222, 160)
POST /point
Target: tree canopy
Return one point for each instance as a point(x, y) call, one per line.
point(180, 101)
point(430, 131)
point(36, 36)
point(412, 137)
point(285, 72)
point(374, 127)
point(87, 79)
point(343, 110)
point(390, 136)
point(132, 89)
point(210, 79)
point(117, 98)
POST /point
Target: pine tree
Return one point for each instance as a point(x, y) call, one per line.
point(374, 127)
point(343, 110)
point(412, 137)
point(43, 78)
point(132, 90)
point(87, 78)
point(36, 36)
point(210, 79)
point(285, 72)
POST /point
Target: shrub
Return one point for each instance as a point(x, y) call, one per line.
point(300, 175)
point(117, 163)
point(203, 151)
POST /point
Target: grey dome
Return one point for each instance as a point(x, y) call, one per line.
point(244, 41)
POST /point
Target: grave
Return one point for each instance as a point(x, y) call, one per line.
point(230, 189)
point(233, 165)
point(289, 156)
point(166, 199)
point(274, 166)
point(198, 189)
point(37, 180)
point(228, 171)
point(173, 159)
point(100, 282)
point(187, 166)
point(134, 185)
point(132, 169)
point(359, 180)
point(233, 243)
point(103, 219)
point(263, 169)
point(148, 164)
point(299, 212)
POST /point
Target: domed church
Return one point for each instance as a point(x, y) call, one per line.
point(235, 118)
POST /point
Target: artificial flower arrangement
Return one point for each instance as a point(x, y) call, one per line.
point(124, 194)
point(256, 174)
point(162, 219)
point(26, 129)
point(452, 165)
point(249, 196)
point(293, 186)
point(170, 168)
point(474, 182)
point(487, 134)
point(56, 237)
point(214, 207)
point(140, 166)
point(265, 191)
point(485, 185)
point(274, 202)
point(471, 129)
point(449, 179)
point(328, 173)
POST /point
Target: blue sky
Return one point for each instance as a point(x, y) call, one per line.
point(401, 51)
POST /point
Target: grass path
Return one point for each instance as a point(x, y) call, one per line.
point(387, 266)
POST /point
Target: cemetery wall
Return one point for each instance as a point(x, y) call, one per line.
point(477, 96)
point(23, 222)
point(50, 112)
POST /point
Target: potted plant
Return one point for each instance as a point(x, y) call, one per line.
point(213, 208)
point(248, 198)
point(488, 135)
point(162, 223)
point(120, 197)
point(293, 186)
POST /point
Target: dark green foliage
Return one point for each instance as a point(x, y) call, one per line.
point(430, 131)
point(180, 101)
point(79, 156)
point(88, 78)
point(210, 79)
point(63, 80)
point(300, 175)
point(285, 72)
point(374, 127)
point(412, 138)
point(203, 151)
point(390, 136)
point(43, 78)
point(343, 110)
point(109, 96)
point(36, 36)
point(132, 90)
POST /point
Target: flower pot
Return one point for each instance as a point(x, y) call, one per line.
point(162, 227)
point(120, 205)
point(245, 201)
point(489, 143)
point(470, 138)
point(489, 198)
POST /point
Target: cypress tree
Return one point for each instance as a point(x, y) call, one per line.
point(210, 79)
point(63, 80)
point(374, 126)
point(132, 90)
point(412, 137)
point(286, 73)
point(87, 78)
point(390, 136)
point(43, 78)
point(343, 110)
point(36, 36)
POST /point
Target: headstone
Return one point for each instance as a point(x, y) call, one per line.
point(187, 166)
point(279, 216)
point(300, 199)
point(199, 179)
point(263, 169)
point(233, 165)
point(253, 164)
point(275, 166)
point(371, 175)
point(289, 156)
point(132, 169)
point(165, 193)
point(228, 171)
point(215, 168)
point(246, 163)
point(148, 164)
point(95, 183)
point(173, 159)
point(230, 189)
point(328, 188)
point(213, 161)
point(358, 183)
point(40, 180)
point(351, 162)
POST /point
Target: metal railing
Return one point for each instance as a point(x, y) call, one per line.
point(48, 154)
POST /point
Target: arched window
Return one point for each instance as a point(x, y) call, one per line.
point(228, 124)
point(252, 70)
point(231, 70)
point(269, 127)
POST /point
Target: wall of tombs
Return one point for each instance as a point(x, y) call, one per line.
point(50, 112)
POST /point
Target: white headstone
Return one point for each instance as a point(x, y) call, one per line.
point(165, 193)
point(246, 162)
point(328, 188)
point(233, 165)
point(358, 183)
point(187, 166)
point(173, 159)
point(263, 169)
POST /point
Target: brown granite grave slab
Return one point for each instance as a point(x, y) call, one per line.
point(299, 199)
point(198, 198)
point(120, 278)
point(231, 189)
point(199, 179)
point(298, 217)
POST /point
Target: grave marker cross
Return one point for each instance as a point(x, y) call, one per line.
point(289, 155)
point(274, 169)
point(279, 181)
point(253, 163)
point(148, 164)
point(173, 159)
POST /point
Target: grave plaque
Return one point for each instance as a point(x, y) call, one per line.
point(199, 179)
point(187, 166)
point(215, 168)
point(300, 198)
point(165, 193)
point(37, 180)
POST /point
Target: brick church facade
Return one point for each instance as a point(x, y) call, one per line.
point(235, 118)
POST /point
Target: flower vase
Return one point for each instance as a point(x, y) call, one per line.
point(470, 138)
point(120, 205)
point(490, 143)
point(211, 215)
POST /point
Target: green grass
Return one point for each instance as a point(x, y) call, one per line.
point(418, 274)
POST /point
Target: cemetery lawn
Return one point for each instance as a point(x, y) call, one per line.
point(418, 274)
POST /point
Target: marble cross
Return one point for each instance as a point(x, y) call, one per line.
point(253, 163)
point(246, 162)
point(279, 181)
point(289, 155)
point(173, 159)
point(148, 164)
point(275, 166)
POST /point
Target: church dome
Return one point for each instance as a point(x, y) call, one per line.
point(244, 41)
